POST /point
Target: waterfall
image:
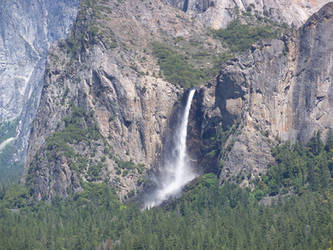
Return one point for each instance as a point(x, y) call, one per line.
point(177, 171)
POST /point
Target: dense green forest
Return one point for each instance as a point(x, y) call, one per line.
point(207, 216)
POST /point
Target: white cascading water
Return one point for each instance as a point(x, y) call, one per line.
point(177, 171)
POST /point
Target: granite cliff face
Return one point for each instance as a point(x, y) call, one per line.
point(104, 80)
point(27, 28)
point(218, 13)
point(106, 113)
point(277, 91)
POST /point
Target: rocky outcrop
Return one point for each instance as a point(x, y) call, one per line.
point(106, 112)
point(104, 80)
point(218, 13)
point(278, 90)
point(27, 28)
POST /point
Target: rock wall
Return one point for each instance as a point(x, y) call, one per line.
point(218, 13)
point(27, 28)
point(278, 90)
point(112, 77)
point(105, 82)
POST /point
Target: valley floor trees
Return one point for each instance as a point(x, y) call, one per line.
point(207, 216)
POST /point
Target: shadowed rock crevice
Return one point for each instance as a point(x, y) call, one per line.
point(229, 98)
point(205, 125)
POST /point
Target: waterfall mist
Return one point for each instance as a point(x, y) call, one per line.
point(176, 171)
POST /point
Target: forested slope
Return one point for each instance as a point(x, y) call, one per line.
point(208, 216)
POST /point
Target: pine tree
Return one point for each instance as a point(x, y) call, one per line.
point(315, 144)
point(329, 140)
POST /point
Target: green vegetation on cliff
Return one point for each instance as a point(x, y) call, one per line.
point(175, 67)
point(79, 143)
point(299, 168)
point(179, 69)
point(239, 37)
point(247, 29)
point(77, 128)
point(191, 62)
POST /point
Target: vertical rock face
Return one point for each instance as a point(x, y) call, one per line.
point(278, 89)
point(204, 141)
point(313, 91)
point(218, 13)
point(105, 110)
point(103, 80)
point(27, 28)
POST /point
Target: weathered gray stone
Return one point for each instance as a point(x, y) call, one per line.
point(279, 89)
point(131, 109)
point(27, 28)
point(218, 13)
point(283, 89)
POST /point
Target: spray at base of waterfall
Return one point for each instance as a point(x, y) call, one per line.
point(177, 171)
